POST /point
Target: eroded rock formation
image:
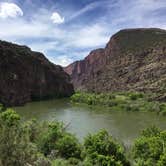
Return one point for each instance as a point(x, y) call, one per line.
point(26, 75)
point(133, 59)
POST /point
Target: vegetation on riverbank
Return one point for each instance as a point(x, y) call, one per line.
point(49, 144)
point(128, 101)
point(150, 148)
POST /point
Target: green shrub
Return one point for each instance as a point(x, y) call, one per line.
point(55, 139)
point(1, 107)
point(120, 101)
point(47, 140)
point(152, 131)
point(42, 161)
point(149, 148)
point(162, 161)
point(60, 162)
point(69, 162)
point(103, 150)
point(34, 129)
point(68, 146)
point(34, 143)
point(135, 96)
point(73, 161)
point(163, 109)
point(15, 147)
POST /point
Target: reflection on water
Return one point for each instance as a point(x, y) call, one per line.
point(124, 126)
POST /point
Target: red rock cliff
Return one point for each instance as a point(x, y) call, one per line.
point(133, 59)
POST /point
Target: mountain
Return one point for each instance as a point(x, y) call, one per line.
point(133, 59)
point(26, 75)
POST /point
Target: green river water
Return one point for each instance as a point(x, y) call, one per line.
point(81, 119)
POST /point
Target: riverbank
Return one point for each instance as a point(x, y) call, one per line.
point(125, 101)
point(84, 119)
point(49, 143)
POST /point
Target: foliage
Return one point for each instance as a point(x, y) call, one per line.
point(42, 161)
point(162, 161)
point(34, 129)
point(47, 140)
point(63, 144)
point(150, 147)
point(34, 143)
point(127, 101)
point(68, 146)
point(22, 143)
point(101, 149)
point(1, 108)
point(69, 162)
point(15, 148)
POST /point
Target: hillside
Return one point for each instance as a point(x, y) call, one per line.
point(133, 59)
point(27, 75)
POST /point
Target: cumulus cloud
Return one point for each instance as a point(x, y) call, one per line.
point(10, 10)
point(69, 42)
point(56, 18)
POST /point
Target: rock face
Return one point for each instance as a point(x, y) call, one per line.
point(26, 75)
point(133, 59)
point(82, 71)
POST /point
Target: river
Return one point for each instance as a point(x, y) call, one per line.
point(81, 119)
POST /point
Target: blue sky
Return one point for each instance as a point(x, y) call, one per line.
point(67, 30)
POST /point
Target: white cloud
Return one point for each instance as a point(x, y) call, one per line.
point(138, 13)
point(90, 7)
point(10, 10)
point(71, 40)
point(56, 18)
point(85, 9)
point(43, 46)
point(61, 60)
point(91, 36)
point(22, 29)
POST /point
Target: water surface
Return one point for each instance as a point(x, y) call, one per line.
point(124, 126)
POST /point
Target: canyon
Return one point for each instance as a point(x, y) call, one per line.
point(26, 76)
point(133, 59)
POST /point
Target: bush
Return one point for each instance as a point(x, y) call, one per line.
point(47, 140)
point(27, 143)
point(69, 162)
point(103, 150)
point(34, 143)
point(125, 101)
point(135, 96)
point(42, 161)
point(68, 146)
point(152, 131)
point(15, 147)
point(55, 139)
point(149, 148)
point(162, 161)
point(34, 129)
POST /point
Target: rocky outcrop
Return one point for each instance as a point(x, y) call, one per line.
point(81, 71)
point(133, 59)
point(26, 75)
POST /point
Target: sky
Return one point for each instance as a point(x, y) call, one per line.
point(67, 30)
